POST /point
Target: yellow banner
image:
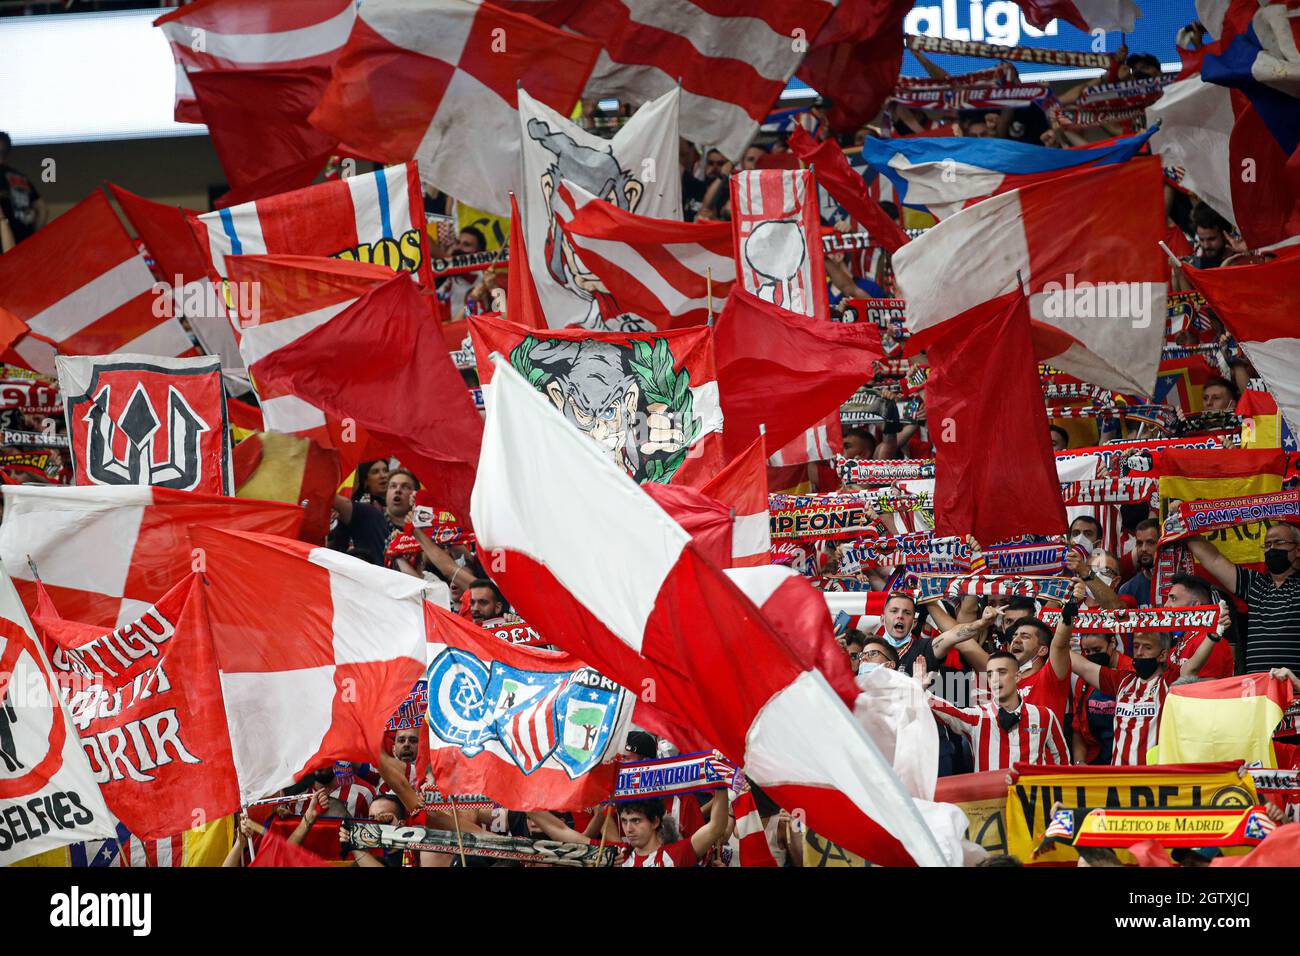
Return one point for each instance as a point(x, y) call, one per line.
point(819, 851)
point(1240, 544)
point(495, 229)
point(1030, 799)
point(1194, 828)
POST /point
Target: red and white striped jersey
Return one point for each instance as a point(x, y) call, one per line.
point(1137, 711)
point(680, 853)
point(356, 796)
point(1037, 738)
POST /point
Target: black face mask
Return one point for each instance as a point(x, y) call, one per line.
point(1007, 719)
point(1145, 667)
point(1277, 561)
point(1101, 659)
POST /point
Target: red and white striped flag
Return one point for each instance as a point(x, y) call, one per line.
point(326, 695)
point(252, 35)
point(742, 486)
point(777, 236)
point(733, 57)
point(433, 80)
point(821, 442)
point(375, 217)
point(672, 274)
point(610, 577)
point(138, 537)
point(754, 849)
point(1094, 273)
point(83, 288)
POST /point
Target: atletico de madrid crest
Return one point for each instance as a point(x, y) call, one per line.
point(531, 716)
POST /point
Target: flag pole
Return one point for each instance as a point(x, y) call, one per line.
point(708, 284)
point(455, 818)
point(32, 564)
point(1178, 263)
point(604, 831)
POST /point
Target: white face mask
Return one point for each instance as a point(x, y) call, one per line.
point(1085, 542)
point(1026, 665)
point(867, 668)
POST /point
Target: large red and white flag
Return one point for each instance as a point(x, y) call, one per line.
point(777, 239)
point(138, 538)
point(609, 576)
point(820, 442)
point(252, 35)
point(48, 795)
point(410, 401)
point(624, 171)
point(431, 79)
point(1095, 276)
point(733, 58)
point(752, 846)
point(161, 752)
point(83, 288)
point(1258, 304)
point(357, 649)
point(375, 217)
point(669, 274)
point(531, 728)
point(648, 399)
point(742, 486)
point(139, 420)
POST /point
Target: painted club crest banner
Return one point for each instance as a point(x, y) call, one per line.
point(649, 399)
point(777, 235)
point(636, 171)
point(147, 420)
point(532, 729)
point(145, 699)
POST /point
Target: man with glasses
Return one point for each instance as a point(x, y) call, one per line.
point(876, 652)
point(1272, 596)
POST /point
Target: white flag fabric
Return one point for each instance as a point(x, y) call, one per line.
point(636, 171)
point(48, 796)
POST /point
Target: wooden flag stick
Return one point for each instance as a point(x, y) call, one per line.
point(455, 818)
point(604, 831)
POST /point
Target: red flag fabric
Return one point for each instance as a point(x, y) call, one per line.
point(556, 726)
point(83, 288)
point(984, 382)
point(275, 850)
point(167, 235)
point(705, 519)
point(659, 270)
point(258, 123)
point(522, 304)
point(768, 358)
point(402, 90)
point(856, 58)
point(1280, 848)
point(402, 388)
point(139, 537)
point(357, 649)
point(742, 486)
point(847, 187)
point(608, 575)
point(162, 751)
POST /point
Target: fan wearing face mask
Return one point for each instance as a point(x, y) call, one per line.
point(1272, 597)
point(1093, 720)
